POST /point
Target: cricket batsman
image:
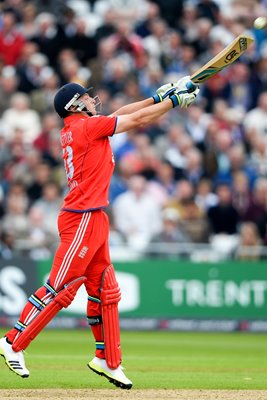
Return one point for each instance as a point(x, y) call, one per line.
point(82, 257)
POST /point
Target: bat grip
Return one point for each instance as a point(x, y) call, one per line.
point(191, 87)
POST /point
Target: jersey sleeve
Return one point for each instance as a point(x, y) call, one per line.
point(100, 126)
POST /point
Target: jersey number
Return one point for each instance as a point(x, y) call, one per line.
point(68, 158)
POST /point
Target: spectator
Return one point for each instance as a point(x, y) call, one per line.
point(53, 154)
point(192, 217)
point(169, 139)
point(224, 222)
point(256, 119)
point(241, 193)
point(208, 9)
point(196, 125)
point(16, 216)
point(223, 217)
point(55, 7)
point(73, 71)
point(256, 210)
point(49, 37)
point(50, 123)
point(176, 154)
point(8, 86)
point(116, 238)
point(11, 40)
point(241, 91)
point(215, 89)
point(7, 244)
point(84, 45)
point(205, 198)
point(23, 170)
point(188, 21)
point(128, 10)
point(39, 238)
point(48, 204)
point(257, 159)
point(202, 42)
point(155, 42)
point(42, 97)
point(31, 72)
point(170, 11)
point(233, 160)
point(171, 232)
point(42, 175)
point(20, 116)
point(5, 157)
point(140, 153)
point(163, 184)
point(126, 41)
point(194, 165)
point(184, 62)
point(137, 214)
point(143, 28)
point(258, 78)
point(194, 222)
point(15, 158)
point(249, 246)
point(27, 25)
point(17, 189)
point(107, 27)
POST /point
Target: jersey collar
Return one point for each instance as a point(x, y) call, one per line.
point(74, 117)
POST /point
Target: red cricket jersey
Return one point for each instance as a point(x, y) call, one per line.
point(88, 160)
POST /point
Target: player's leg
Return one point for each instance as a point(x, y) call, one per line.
point(108, 359)
point(12, 351)
point(65, 269)
point(94, 275)
point(104, 320)
point(15, 360)
point(102, 313)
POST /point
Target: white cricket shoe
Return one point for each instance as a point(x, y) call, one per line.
point(14, 360)
point(115, 376)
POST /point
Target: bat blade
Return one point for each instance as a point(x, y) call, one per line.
point(226, 57)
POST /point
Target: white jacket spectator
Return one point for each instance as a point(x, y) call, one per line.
point(256, 120)
point(136, 214)
point(19, 117)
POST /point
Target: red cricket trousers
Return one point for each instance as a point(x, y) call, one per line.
point(83, 251)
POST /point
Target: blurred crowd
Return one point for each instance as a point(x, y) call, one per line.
point(196, 176)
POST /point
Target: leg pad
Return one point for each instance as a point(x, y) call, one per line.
point(110, 296)
point(62, 299)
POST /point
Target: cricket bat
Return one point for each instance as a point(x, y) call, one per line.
point(226, 57)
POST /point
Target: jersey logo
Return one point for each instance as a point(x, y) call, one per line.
point(83, 252)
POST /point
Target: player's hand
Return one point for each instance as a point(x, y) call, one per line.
point(185, 93)
point(164, 92)
point(183, 83)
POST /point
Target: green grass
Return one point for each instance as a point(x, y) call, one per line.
point(172, 360)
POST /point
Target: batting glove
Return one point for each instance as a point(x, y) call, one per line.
point(185, 93)
point(183, 83)
point(163, 92)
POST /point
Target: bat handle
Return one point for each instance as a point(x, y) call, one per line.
point(191, 87)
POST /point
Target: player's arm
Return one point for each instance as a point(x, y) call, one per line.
point(161, 93)
point(142, 117)
point(133, 107)
point(183, 97)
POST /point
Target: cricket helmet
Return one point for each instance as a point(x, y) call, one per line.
point(68, 96)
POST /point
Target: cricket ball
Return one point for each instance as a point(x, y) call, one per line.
point(260, 23)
